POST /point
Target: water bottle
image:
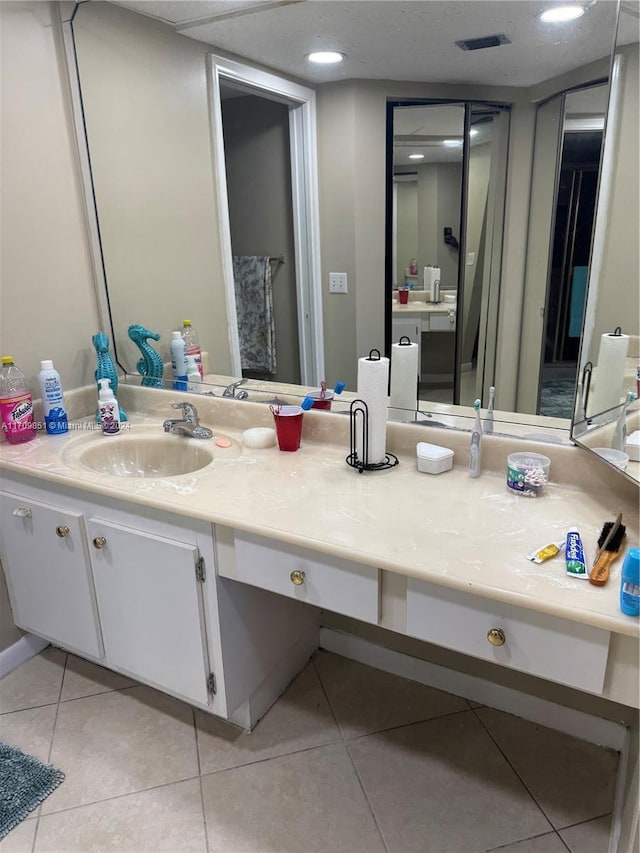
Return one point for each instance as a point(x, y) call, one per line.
point(16, 403)
point(55, 416)
point(192, 344)
point(178, 361)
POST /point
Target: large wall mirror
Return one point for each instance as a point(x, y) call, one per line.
point(609, 363)
point(446, 184)
point(147, 110)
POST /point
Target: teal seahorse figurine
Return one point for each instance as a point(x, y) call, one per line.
point(106, 369)
point(150, 366)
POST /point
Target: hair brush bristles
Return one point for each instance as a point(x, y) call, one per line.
point(616, 542)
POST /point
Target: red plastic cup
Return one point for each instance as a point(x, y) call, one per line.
point(288, 420)
point(320, 401)
point(403, 297)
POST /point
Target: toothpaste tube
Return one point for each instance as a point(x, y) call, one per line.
point(574, 555)
point(546, 553)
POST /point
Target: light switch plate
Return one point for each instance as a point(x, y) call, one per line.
point(337, 282)
point(471, 258)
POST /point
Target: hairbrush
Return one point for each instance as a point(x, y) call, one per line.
point(609, 544)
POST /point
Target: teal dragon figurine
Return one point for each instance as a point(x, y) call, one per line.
point(150, 366)
point(106, 369)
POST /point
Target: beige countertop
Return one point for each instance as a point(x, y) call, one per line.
point(467, 534)
point(417, 306)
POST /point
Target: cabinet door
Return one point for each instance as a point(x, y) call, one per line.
point(48, 576)
point(150, 605)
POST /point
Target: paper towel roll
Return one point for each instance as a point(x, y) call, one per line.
point(430, 276)
point(404, 375)
point(373, 379)
point(607, 385)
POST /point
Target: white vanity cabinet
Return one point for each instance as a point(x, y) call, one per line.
point(48, 576)
point(136, 590)
point(149, 591)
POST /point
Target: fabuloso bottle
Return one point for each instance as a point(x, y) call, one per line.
point(108, 408)
point(16, 403)
point(55, 416)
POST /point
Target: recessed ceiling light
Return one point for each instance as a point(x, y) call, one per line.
point(416, 156)
point(452, 142)
point(562, 14)
point(325, 57)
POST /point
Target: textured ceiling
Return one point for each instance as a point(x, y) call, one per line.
point(395, 40)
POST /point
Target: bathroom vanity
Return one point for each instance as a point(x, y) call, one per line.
point(209, 582)
point(108, 566)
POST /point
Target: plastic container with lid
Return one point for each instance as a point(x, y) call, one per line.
point(527, 473)
point(433, 459)
point(16, 403)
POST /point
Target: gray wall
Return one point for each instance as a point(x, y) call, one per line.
point(406, 227)
point(146, 107)
point(256, 133)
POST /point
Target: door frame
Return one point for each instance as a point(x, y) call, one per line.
point(301, 102)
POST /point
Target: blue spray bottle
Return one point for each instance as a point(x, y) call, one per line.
point(630, 583)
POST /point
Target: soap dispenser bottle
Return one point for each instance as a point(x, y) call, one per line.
point(108, 410)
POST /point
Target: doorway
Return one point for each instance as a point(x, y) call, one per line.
point(254, 179)
point(575, 205)
point(258, 172)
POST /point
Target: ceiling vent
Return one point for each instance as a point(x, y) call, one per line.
point(483, 42)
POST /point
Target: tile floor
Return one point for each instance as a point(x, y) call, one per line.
point(349, 759)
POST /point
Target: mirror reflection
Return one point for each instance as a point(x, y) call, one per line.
point(147, 112)
point(448, 210)
point(607, 418)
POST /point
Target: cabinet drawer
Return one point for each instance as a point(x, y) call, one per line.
point(536, 643)
point(328, 582)
point(442, 322)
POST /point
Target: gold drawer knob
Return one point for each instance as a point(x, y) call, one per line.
point(62, 530)
point(496, 637)
point(297, 577)
point(99, 542)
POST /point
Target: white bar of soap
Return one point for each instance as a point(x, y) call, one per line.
point(433, 459)
point(259, 437)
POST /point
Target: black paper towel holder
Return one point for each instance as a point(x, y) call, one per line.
point(359, 419)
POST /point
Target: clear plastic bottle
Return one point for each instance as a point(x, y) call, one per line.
point(192, 344)
point(178, 361)
point(194, 380)
point(16, 403)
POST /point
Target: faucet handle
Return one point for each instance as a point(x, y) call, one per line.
point(189, 412)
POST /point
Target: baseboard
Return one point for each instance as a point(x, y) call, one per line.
point(23, 649)
point(545, 713)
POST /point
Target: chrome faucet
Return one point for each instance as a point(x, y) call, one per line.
point(232, 390)
point(188, 424)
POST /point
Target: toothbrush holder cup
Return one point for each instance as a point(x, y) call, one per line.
point(288, 422)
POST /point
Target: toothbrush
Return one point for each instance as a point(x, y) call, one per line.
point(475, 450)
point(488, 424)
point(620, 434)
point(307, 403)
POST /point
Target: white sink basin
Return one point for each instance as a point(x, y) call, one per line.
point(148, 456)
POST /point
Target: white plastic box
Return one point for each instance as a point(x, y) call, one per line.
point(433, 459)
